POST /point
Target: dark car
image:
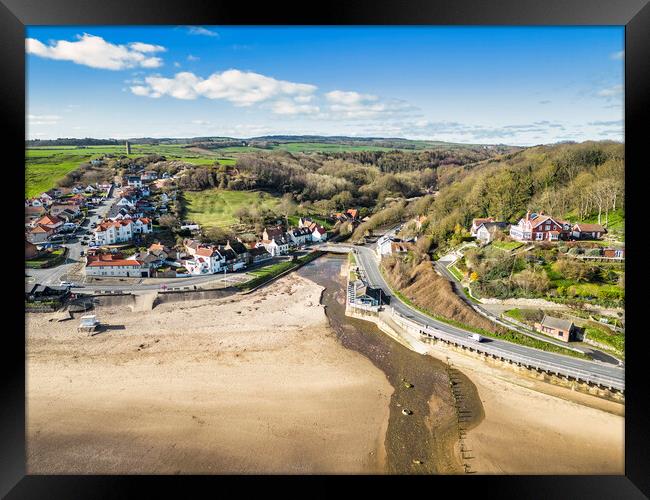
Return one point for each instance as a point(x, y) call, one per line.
point(83, 243)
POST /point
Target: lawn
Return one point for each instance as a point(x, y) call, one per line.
point(215, 207)
point(613, 340)
point(508, 246)
point(272, 269)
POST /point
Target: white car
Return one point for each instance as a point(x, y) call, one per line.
point(475, 337)
point(65, 283)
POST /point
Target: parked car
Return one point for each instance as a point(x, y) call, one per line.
point(84, 243)
point(65, 283)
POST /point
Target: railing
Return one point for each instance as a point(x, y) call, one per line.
point(528, 361)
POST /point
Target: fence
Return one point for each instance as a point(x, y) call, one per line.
point(527, 361)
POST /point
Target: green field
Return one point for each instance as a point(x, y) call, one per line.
point(43, 172)
point(215, 207)
point(44, 166)
point(304, 147)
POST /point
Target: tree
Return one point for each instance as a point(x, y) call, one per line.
point(168, 220)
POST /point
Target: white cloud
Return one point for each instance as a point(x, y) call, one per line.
point(611, 91)
point(350, 104)
point(192, 58)
point(43, 119)
point(177, 64)
point(94, 51)
point(199, 30)
point(242, 88)
point(200, 122)
point(287, 107)
point(618, 56)
point(146, 47)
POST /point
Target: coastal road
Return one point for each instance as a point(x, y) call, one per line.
point(441, 267)
point(367, 258)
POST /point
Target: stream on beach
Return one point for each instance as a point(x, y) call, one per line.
point(419, 443)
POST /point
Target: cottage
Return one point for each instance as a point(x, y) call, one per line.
point(561, 329)
point(273, 232)
point(240, 251)
point(190, 226)
point(110, 232)
point(111, 265)
point(476, 223)
point(39, 234)
point(51, 221)
point(318, 232)
point(486, 231)
point(206, 259)
point(134, 181)
point(582, 231)
point(300, 235)
point(540, 227)
point(258, 255)
point(276, 246)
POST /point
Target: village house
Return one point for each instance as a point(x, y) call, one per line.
point(39, 233)
point(258, 255)
point(486, 231)
point(540, 227)
point(149, 176)
point(582, 231)
point(561, 329)
point(388, 245)
point(190, 226)
point(33, 213)
point(134, 181)
point(276, 246)
point(242, 253)
point(51, 221)
point(110, 232)
point(476, 223)
point(206, 259)
point(73, 209)
point(115, 265)
point(231, 260)
point(318, 232)
point(300, 235)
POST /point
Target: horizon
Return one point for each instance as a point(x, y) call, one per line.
point(466, 85)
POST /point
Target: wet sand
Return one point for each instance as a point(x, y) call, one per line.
point(429, 434)
point(253, 384)
point(532, 427)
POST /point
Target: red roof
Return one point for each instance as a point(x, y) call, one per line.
point(116, 262)
point(49, 219)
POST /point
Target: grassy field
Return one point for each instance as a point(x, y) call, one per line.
point(215, 207)
point(44, 166)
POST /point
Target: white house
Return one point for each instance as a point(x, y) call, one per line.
point(318, 233)
point(110, 232)
point(276, 246)
point(384, 246)
point(300, 235)
point(125, 202)
point(107, 266)
point(191, 226)
point(134, 181)
point(486, 230)
point(206, 259)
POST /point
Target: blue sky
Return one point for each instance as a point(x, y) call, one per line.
point(514, 85)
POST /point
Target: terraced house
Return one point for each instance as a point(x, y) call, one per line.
point(111, 232)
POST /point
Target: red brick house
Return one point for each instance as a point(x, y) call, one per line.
point(561, 329)
point(540, 227)
point(588, 231)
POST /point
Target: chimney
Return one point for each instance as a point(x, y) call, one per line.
point(528, 215)
point(541, 212)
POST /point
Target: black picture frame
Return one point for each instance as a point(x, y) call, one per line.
point(633, 14)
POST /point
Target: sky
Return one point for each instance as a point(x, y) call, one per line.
point(485, 85)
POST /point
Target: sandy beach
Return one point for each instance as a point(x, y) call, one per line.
point(531, 427)
point(256, 384)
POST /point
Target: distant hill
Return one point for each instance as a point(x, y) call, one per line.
point(271, 141)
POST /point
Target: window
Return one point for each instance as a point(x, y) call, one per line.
point(548, 227)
